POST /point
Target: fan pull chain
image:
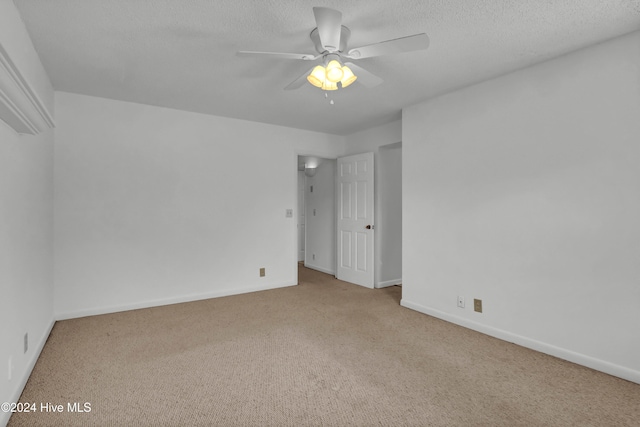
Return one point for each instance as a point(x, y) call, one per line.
point(326, 95)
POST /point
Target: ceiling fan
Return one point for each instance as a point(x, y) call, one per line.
point(330, 38)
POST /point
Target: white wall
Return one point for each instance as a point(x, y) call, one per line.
point(385, 143)
point(371, 139)
point(26, 231)
point(156, 205)
point(321, 218)
point(523, 192)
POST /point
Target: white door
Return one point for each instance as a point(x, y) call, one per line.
point(355, 219)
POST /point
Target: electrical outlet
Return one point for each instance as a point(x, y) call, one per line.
point(289, 213)
point(263, 272)
point(460, 302)
point(477, 305)
point(313, 257)
point(26, 342)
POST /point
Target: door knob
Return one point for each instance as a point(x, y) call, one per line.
point(369, 227)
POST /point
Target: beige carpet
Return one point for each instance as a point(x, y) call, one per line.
point(321, 353)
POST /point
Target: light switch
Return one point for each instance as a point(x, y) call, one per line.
point(289, 213)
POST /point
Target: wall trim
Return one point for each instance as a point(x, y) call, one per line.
point(388, 283)
point(20, 106)
point(15, 397)
point(73, 314)
point(559, 352)
point(320, 269)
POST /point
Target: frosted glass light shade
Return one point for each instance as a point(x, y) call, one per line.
point(317, 76)
point(348, 77)
point(334, 71)
point(327, 85)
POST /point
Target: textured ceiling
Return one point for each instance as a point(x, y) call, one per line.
point(181, 53)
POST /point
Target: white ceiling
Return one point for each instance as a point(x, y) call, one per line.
point(181, 53)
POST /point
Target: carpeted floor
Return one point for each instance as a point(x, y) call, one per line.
point(321, 353)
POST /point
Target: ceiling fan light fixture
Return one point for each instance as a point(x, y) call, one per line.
point(334, 71)
point(347, 77)
point(317, 76)
point(332, 74)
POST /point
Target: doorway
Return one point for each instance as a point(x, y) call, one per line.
point(389, 216)
point(317, 215)
point(316, 201)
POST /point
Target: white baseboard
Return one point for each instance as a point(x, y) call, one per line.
point(562, 353)
point(4, 416)
point(320, 269)
point(166, 301)
point(388, 283)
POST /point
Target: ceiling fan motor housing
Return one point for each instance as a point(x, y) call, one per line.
point(345, 33)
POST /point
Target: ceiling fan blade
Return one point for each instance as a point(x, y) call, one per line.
point(303, 56)
point(364, 77)
point(403, 44)
point(329, 23)
point(300, 80)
